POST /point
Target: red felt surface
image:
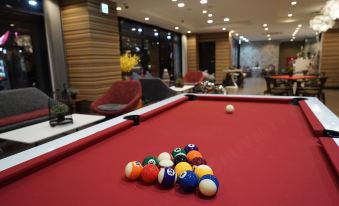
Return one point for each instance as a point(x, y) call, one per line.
point(263, 154)
point(294, 77)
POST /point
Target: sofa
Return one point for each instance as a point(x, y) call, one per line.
point(22, 107)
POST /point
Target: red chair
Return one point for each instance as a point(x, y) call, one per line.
point(122, 97)
point(193, 77)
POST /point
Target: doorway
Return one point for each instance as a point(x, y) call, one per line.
point(207, 56)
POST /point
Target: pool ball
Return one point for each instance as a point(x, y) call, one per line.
point(166, 163)
point(133, 170)
point(198, 161)
point(188, 181)
point(190, 147)
point(150, 173)
point(229, 108)
point(208, 185)
point(178, 151)
point(164, 156)
point(202, 170)
point(182, 167)
point(180, 158)
point(193, 154)
point(167, 177)
point(150, 160)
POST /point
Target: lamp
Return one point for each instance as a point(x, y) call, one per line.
point(331, 9)
point(321, 23)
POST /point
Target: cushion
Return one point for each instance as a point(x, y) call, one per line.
point(135, 76)
point(111, 107)
point(148, 75)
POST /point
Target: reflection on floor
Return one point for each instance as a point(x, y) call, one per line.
point(257, 86)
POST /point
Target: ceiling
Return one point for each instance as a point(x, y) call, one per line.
point(246, 16)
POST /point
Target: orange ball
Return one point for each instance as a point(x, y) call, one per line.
point(150, 173)
point(193, 154)
point(133, 170)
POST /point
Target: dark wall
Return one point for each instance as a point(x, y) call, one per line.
point(288, 49)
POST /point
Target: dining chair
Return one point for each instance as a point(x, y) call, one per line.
point(316, 89)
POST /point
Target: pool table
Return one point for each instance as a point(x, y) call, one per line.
point(269, 151)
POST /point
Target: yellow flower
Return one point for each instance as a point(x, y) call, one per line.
point(128, 61)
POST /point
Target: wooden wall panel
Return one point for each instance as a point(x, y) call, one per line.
point(192, 53)
point(92, 46)
point(330, 57)
point(222, 52)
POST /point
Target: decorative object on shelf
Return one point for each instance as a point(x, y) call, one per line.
point(331, 9)
point(290, 71)
point(321, 23)
point(127, 62)
point(179, 82)
point(58, 113)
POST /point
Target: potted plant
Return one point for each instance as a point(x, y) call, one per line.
point(59, 110)
point(127, 62)
point(290, 71)
point(72, 93)
point(179, 82)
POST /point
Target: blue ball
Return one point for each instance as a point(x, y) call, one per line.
point(208, 185)
point(191, 147)
point(188, 181)
point(167, 177)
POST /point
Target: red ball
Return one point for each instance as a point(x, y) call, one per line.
point(198, 161)
point(150, 173)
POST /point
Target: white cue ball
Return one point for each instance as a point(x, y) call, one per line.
point(229, 108)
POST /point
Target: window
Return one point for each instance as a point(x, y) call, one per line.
point(157, 48)
point(23, 50)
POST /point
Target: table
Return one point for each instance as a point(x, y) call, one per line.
point(270, 151)
point(185, 88)
point(38, 132)
point(293, 79)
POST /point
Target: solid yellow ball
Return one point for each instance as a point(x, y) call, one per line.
point(202, 170)
point(182, 167)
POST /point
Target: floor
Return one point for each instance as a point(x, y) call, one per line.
point(257, 86)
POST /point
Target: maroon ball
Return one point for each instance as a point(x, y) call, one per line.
point(198, 161)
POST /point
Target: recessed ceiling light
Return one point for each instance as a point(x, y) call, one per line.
point(236, 34)
point(174, 0)
point(181, 5)
point(118, 8)
point(155, 30)
point(292, 40)
point(204, 11)
point(176, 28)
point(294, 3)
point(133, 29)
point(9, 6)
point(156, 34)
point(189, 32)
point(226, 19)
point(12, 25)
point(269, 39)
point(210, 15)
point(290, 15)
point(210, 21)
point(140, 30)
point(203, 1)
point(146, 18)
point(300, 25)
point(231, 31)
point(266, 29)
point(224, 29)
point(32, 2)
point(268, 35)
point(264, 25)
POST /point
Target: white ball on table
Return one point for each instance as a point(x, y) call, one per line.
point(229, 108)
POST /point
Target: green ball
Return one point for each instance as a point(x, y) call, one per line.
point(178, 151)
point(150, 160)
